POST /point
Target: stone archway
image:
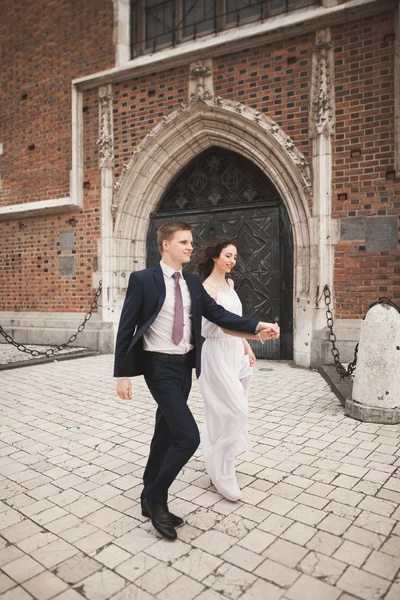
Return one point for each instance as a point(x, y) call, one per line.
point(177, 140)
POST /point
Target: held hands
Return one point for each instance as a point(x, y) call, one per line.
point(268, 331)
point(124, 388)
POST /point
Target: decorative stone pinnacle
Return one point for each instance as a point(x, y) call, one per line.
point(322, 113)
point(105, 141)
point(201, 81)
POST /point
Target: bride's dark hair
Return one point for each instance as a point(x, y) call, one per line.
point(203, 259)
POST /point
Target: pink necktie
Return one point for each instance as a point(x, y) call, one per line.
point(177, 331)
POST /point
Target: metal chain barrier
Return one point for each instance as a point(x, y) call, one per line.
point(51, 351)
point(332, 337)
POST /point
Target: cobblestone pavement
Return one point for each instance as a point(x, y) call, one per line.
point(319, 518)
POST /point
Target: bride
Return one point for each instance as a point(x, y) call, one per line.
point(225, 371)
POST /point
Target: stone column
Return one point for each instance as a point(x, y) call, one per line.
point(376, 390)
point(106, 164)
point(322, 129)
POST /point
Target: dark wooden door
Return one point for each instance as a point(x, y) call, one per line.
point(264, 272)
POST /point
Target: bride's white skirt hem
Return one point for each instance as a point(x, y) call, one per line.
point(225, 382)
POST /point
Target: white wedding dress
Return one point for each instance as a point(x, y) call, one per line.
point(224, 381)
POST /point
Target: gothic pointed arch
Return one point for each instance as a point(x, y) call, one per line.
point(180, 137)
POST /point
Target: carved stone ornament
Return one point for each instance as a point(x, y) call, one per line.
point(203, 95)
point(105, 141)
point(201, 81)
point(264, 123)
point(322, 103)
point(114, 210)
point(200, 70)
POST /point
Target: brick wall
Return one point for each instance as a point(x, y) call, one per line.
point(274, 79)
point(364, 63)
point(45, 45)
point(139, 104)
point(32, 256)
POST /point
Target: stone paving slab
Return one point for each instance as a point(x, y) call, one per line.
point(319, 518)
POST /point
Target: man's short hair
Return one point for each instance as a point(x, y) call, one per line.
point(167, 230)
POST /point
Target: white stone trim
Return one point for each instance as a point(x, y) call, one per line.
point(177, 140)
point(322, 128)
point(121, 34)
point(28, 209)
point(329, 3)
point(76, 174)
point(106, 165)
point(274, 28)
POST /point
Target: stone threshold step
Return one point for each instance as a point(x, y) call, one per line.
point(342, 389)
point(44, 360)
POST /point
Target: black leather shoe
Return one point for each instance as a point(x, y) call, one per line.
point(175, 520)
point(160, 519)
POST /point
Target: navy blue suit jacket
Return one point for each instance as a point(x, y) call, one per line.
point(144, 298)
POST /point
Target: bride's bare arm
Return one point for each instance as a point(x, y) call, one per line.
point(240, 334)
point(264, 334)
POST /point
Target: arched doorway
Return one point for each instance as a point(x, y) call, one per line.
point(219, 193)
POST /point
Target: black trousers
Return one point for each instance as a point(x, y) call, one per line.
point(176, 435)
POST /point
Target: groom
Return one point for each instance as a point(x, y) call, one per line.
point(159, 336)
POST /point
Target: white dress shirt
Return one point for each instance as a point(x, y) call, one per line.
point(158, 338)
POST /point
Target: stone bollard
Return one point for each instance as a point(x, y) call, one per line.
point(376, 390)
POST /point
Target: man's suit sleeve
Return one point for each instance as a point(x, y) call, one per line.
point(223, 318)
point(128, 322)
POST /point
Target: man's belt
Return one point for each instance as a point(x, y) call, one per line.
point(177, 359)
